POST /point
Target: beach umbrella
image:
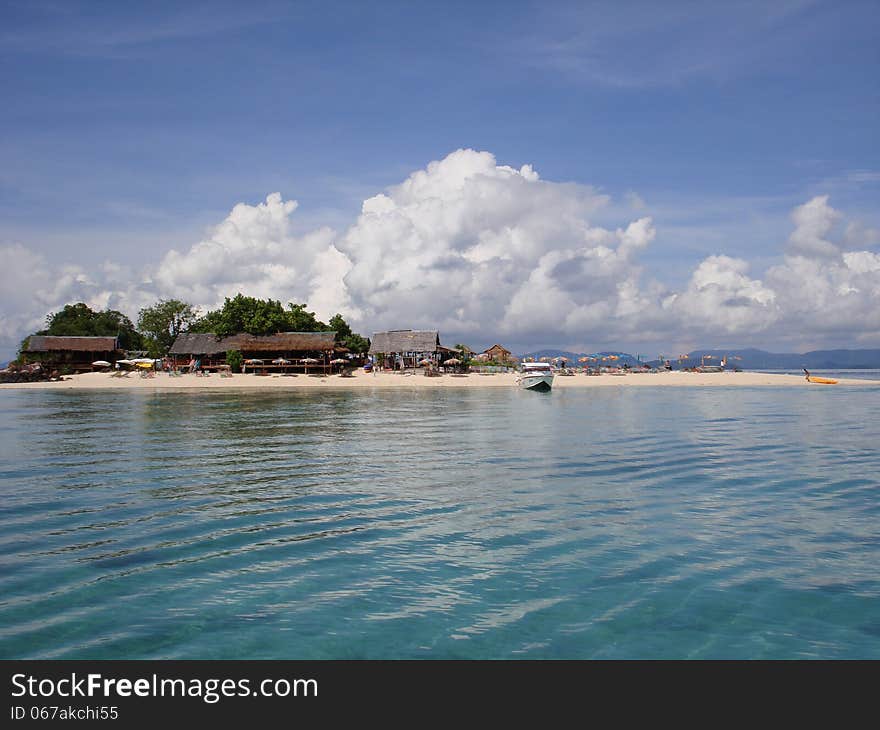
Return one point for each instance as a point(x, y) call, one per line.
point(452, 361)
point(425, 361)
point(280, 361)
point(338, 361)
point(253, 361)
point(101, 364)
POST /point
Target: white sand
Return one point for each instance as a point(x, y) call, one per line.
point(163, 381)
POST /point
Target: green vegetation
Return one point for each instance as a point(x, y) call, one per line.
point(163, 322)
point(257, 317)
point(160, 324)
point(344, 336)
point(78, 320)
point(234, 359)
point(464, 353)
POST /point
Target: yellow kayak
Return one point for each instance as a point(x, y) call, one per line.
point(826, 381)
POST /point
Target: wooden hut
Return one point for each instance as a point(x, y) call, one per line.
point(498, 354)
point(210, 351)
point(70, 353)
point(401, 349)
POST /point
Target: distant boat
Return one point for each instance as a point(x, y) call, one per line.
point(535, 376)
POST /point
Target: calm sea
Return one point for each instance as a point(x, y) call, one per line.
point(600, 523)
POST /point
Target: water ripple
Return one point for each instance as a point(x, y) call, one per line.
point(469, 524)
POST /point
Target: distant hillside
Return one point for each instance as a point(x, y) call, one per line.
point(752, 359)
point(747, 359)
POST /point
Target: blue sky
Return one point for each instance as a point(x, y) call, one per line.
point(129, 129)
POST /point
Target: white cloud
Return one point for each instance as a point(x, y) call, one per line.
point(459, 243)
point(255, 252)
point(484, 251)
point(813, 222)
point(721, 299)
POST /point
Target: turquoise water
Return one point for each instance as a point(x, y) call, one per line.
point(596, 523)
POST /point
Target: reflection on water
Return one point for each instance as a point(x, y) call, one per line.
point(472, 523)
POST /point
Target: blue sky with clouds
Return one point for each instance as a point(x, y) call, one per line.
point(131, 130)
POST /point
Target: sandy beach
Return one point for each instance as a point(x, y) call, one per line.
point(360, 379)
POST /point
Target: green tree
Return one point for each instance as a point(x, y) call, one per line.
point(207, 323)
point(245, 314)
point(234, 359)
point(257, 317)
point(338, 325)
point(344, 335)
point(163, 322)
point(268, 316)
point(464, 353)
point(78, 320)
point(357, 344)
point(299, 320)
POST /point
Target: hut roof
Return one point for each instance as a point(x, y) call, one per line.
point(51, 343)
point(405, 341)
point(196, 344)
point(208, 344)
point(292, 341)
point(499, 348)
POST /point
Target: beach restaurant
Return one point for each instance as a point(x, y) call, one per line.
point(403, 349)
point(72, 353)
point(284, 352)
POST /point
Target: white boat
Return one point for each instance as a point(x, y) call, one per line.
point(535, 376)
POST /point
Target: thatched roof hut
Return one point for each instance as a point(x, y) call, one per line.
point(408, 348)
point(52, 343)
point(70, 353)
point(282, 342)
point(400, 341)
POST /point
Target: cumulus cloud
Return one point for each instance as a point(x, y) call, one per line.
point(813, 222)
point(485, 251)
point(254, 251)
point(474, 247)
point(721, 298)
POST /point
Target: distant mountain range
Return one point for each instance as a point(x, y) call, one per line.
point(747, 359)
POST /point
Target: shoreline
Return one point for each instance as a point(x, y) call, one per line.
point(360, 380)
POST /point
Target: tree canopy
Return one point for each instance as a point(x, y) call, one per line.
point(258, 317)
point(163, 322)
point(78, 320)
point(344, 336)
point(160, 324)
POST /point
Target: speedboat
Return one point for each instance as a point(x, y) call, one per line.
point(535, 376)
